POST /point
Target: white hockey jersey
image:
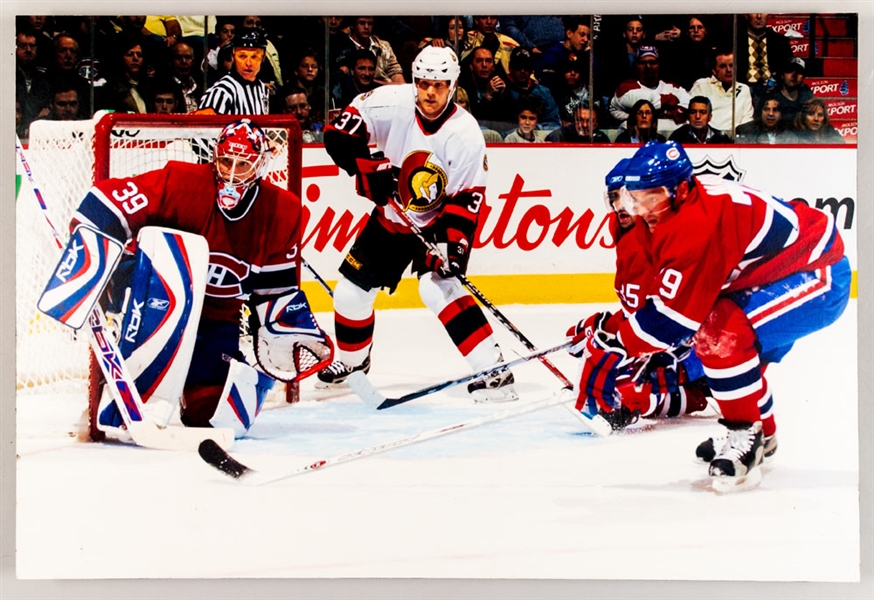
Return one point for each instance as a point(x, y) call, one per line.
point(439, 163)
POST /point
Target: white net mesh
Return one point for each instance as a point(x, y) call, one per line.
point(61, 154)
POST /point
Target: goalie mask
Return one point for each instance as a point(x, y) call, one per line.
point(239, 162)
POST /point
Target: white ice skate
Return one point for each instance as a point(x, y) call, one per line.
point(497, 387)
point(737, 465)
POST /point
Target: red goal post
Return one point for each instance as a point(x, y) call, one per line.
point(67, 158)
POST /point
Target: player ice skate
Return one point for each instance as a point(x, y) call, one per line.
point(430, 162)
point(200, 239)
point(738, 274)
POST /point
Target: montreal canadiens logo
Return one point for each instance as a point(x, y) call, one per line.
point(422, 182)
point(672, 154)
point(225, 275)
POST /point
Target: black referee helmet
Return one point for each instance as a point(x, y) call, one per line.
point(250, 38)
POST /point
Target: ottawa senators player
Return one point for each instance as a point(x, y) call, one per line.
point(431, 163)
point(735, 271)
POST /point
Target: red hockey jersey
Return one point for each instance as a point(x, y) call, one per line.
point(724, 237)
point(253, 255)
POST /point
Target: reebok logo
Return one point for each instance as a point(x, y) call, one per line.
point(158, 304)
point(136, 318)
point(66, 267)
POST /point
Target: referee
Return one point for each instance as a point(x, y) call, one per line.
point(240, 92)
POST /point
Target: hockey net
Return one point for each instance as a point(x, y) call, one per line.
point(66, 159)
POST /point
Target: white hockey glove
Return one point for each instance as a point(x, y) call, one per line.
point(289, 344)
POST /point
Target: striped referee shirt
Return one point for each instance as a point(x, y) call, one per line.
point(233, 95)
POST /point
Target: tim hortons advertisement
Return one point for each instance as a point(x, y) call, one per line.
point(544, 223)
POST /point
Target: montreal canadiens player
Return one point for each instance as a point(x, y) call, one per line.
point(430, 162)
point(663, 384)
point(736, 272)
point(252, 237)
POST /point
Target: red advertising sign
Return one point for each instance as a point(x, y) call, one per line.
point(841, 110)
point(847, 129)
point(793, 27)
point(833, 87)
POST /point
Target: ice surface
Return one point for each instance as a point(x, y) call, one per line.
point(531, 497)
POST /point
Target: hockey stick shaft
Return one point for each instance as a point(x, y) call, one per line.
point(389, 402)
point(480, 296)
point(317, 277)
point(143, 431)
point(221, 460)
point(37, 193)
point(593, 422)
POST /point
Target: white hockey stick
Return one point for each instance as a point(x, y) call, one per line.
point(224, 462)
point(143, 431)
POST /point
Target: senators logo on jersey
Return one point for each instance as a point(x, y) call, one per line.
point(422, 182)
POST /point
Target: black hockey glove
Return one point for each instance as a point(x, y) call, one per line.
point(621, 417)
point(375, 179)
point(664, 371)
point(456, 252)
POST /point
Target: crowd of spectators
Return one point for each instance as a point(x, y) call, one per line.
point(526, 79)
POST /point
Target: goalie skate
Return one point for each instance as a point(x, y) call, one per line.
point(497, 387)
point(737, 466)
point(334, 375)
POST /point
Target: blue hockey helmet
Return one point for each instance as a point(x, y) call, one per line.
point(658, 164)
point(616, 177)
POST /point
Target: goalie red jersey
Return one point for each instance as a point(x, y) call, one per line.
point(253, 254)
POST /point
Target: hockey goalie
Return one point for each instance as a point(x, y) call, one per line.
point(199, 241)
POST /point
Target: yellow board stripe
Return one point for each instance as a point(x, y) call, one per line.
point(572, 288)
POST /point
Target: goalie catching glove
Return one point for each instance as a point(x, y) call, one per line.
point(289, 344)
point(375, 180)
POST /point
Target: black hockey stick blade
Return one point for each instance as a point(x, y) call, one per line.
point(362, 387)
point(213, 454)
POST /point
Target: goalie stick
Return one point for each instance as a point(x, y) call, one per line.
point(365, 390)
point(142, 430)
point(594, 422)
point(212, 454)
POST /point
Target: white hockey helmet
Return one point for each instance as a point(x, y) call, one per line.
point(437, 64)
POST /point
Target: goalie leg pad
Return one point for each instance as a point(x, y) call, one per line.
point(241, 399)
point(289, 344)
point(88, 260)
point(462, 318)
point(160, 324)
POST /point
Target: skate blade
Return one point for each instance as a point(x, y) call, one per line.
point(494, 396)
point(729, 485)
point(321, 385)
